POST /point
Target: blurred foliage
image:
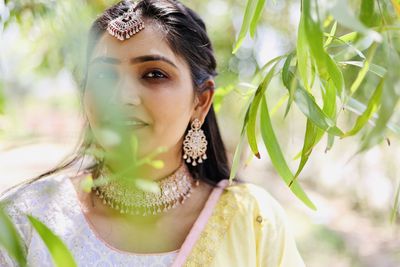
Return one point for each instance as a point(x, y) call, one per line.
point(60, 254)
point(10, 240)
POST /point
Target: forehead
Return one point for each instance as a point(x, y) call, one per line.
point(148, 41)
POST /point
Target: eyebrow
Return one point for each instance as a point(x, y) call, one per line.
point(135, 60)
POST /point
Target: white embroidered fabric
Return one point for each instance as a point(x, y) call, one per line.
point(53, 200)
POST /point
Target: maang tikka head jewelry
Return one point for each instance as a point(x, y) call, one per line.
point(126, 25)
point(195, 144)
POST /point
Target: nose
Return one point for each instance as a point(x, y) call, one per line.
point(127, 92)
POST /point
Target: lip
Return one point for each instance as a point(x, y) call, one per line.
point(136, 127)
point(134, 124)
point(130, 120)
point(129, 123)
point(137, 120)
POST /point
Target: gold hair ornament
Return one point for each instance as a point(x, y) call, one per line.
point(126, 25)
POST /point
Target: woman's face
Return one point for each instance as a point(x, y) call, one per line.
point(143, 77)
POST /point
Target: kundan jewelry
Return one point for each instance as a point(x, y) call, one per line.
point(195, 144)
point(126, 198)
point(126, 25)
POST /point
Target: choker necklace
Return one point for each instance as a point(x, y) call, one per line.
point(128, 199)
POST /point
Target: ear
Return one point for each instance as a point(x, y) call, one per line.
point(203, 101)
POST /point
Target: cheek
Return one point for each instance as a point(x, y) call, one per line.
point(171, 113)
point(89, 106)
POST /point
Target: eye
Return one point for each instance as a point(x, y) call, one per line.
point(100, 75)
point(155, 74)
point(102, 78)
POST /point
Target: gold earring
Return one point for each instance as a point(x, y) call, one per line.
point(195, 144)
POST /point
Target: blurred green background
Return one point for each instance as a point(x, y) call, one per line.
point(42, 48)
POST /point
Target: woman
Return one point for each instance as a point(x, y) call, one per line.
point(151, 64)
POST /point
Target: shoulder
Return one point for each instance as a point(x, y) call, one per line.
point(32, 193)
point(275, 243)
point(253, 193)
point(47, 187)
point(32, 198)
point(254, 199)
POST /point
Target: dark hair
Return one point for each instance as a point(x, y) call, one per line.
point(186, 34)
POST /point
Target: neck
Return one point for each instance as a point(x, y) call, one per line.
point(171, 162)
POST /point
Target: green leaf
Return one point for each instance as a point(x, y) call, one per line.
point(375, 136)
point(348, 37)
point(390, 98)
point(289, 82)
point(157, 164)
point(353, 51)
point(279, 104)
point(372, 107)
point(363, 72)
point(396, 6)
point(251, 125)
point(239, 147)
point(331, 140)
point(358, 108)
point(344, 53)
point(134, 146)
point(248, 16)
point(236, 157)
point(342, 13)
point(306, 103)
point(329, 108)
point(396, 204)
point(313, 34)
point(147, 185)
point(219, 96)
point(87, 183)
point(376, 69)
point(256, 17)
point(277, 158)
point(302, 54)
point(327, 67)
point(331, 35)
point(308, 144)
point(329, 99)
point(287, 76)
point(259, 76)
point(336, 75)
point(59, 252)
point(367, 15)
point(10, 239)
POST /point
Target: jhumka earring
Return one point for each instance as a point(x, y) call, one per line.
point(126, 25)
point(195, 144)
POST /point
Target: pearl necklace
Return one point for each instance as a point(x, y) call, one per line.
point(128, 199)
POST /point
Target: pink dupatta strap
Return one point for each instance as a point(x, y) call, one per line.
point(200, 224)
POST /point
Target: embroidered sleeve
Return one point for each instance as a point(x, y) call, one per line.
point(5, 260)
point(276, 245)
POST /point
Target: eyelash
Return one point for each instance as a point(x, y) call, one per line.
point(156, 71)
point(102, 75)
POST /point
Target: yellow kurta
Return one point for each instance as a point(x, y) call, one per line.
point(247, 228)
